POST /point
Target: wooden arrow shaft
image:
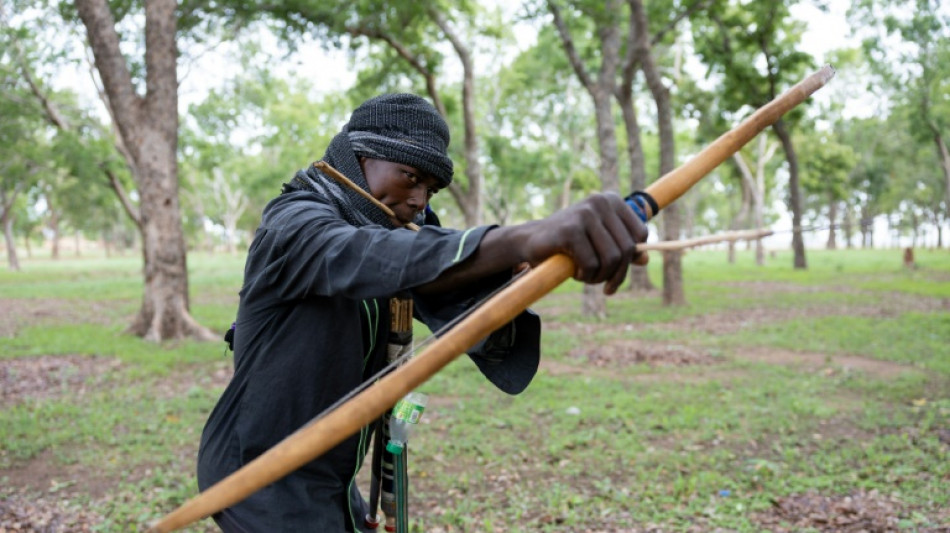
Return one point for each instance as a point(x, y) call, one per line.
point(328, 430)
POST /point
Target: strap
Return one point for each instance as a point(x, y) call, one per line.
point(402, 490)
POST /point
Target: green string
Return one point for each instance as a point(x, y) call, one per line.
point(400, 465)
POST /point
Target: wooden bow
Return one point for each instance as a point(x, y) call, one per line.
point(329, 429)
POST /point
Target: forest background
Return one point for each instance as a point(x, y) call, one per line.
point(548, 101)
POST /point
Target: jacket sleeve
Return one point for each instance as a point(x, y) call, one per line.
point(509, 356)
point(304, 249)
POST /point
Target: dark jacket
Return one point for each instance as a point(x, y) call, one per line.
point(312, 325)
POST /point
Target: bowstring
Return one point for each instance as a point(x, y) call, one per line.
point(416, 347)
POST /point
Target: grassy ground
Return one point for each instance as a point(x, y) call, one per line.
point(776, 400)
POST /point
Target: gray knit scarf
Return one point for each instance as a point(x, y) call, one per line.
point(356, 209)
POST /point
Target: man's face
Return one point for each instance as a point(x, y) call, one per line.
point(404, 189)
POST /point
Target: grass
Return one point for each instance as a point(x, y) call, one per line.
point(704, 446)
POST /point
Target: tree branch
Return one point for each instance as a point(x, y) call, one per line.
point(658, 36)
point(569, 47)
point(127, 204)
point(104, 98)
point(406, 54)
point(116, 78)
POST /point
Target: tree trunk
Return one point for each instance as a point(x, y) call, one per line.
point(639, 275)
point(53, 228)
point(106, 245)
point(601, 93)
point(766, 151)
point(944, 155)
point(795, 194)
point(7, 219)
point(866, 227)
point(473, 166)
point(672, 261)
point(847, 225)
point(149, 129)
point(832, 221)
point(593, 302)
point(672, 274)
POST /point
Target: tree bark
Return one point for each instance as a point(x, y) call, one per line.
point(766, 151)
point(832, 243)
point(639, 275)
point(847, 225)
point(53, 227)
point(149, 129)
point(672, 221)
point(473, 166)
point(944, 155)
point(6, 218)
point(601, 92)
point(794, 193)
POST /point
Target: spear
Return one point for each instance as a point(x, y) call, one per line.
point(329, 429)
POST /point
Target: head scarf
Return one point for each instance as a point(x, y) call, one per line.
point(401, 128)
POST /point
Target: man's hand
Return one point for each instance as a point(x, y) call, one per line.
point(599, 234)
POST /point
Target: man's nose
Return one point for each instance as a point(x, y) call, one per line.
point(418, 198)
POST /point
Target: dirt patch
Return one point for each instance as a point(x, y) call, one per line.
point(626, 352)
point(735, 320)
point(856, 512)
point(20, 512)
point(48, 376)
point(44, 474)
point(825, 363)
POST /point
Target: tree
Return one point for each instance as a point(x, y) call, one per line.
point(599, 34)
point(249, 136)
point(753, 191)
point(147, 131)
point(642, 43)
point(411, 49)
point(754, 47)
point(916, 68)
point(536, 86)
point(602, 20)
point(826, 167)
point(23, 147)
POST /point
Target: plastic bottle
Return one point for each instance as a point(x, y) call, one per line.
point(406, 415)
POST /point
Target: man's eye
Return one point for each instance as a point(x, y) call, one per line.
point(411, 177)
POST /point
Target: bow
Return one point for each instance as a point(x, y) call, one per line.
point(329, 429)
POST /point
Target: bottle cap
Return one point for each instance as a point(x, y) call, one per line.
point(371, 522)
point(394, 447)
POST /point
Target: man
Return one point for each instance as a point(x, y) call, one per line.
point(313, 317)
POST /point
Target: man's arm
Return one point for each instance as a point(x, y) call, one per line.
point(600, 235)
